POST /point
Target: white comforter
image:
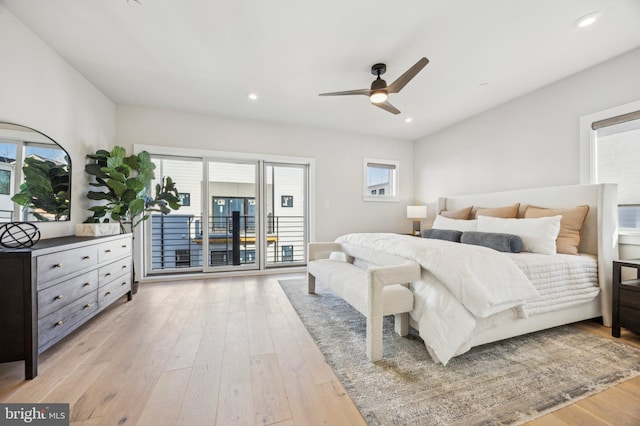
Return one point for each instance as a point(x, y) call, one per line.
point(460, 285)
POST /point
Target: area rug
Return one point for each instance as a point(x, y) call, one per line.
point(502, 383)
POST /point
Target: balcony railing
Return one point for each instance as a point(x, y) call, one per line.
point(177, 241)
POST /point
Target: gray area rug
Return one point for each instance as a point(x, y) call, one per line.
point(508, 382)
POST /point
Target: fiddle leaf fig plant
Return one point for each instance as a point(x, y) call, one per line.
point(124, 182)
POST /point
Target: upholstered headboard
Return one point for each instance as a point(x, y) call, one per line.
point(600, 231)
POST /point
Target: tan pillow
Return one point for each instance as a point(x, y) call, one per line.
point(570, 225)
point(507, 212)
point(457, 214)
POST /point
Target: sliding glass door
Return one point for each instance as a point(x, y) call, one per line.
point(235, 215)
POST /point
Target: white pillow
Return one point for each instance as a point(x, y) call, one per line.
point(538, 235)
point(462, 225)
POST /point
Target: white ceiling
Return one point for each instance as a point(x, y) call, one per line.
point(206, 56)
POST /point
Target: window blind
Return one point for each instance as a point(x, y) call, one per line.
point(615, 120)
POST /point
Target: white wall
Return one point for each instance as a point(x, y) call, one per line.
point(38, 89)
point(338, 160)
point(528, 142)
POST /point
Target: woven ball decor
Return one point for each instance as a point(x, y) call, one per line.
point(19, 235)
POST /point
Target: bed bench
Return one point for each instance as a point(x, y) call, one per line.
point(376, 284)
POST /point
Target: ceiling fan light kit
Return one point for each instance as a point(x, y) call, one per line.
point(379, 90)
point(377, 97)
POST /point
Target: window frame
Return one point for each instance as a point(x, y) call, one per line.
point(588, 148)
point(588, 138)
point(394, 186)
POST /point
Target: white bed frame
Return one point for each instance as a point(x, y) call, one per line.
point(599, 237)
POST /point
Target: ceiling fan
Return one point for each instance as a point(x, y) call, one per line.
point(379, 89)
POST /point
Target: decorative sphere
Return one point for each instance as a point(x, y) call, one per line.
point(19, 235)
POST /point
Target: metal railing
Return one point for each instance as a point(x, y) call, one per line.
point(290, 246)
point(177, 241)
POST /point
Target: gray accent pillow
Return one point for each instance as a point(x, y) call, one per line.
point(502, 242)
point(442, 234)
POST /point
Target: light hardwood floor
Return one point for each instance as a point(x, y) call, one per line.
point(226, 351)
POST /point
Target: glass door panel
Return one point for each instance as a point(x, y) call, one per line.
point(174, 241)
point(232, 189)
point(286, 214)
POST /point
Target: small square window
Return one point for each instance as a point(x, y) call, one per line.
point(380, 180)
point(183, 258)
point(287, 253)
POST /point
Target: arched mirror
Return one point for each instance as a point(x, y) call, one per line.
point(35, 176)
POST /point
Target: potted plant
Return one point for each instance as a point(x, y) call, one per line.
point(124, 182)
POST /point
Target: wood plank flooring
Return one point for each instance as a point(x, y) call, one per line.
point(224, 351)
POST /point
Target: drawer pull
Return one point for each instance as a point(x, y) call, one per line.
point(124, 246)
point(86, 257)
point(107, 251)
point(107, 293)
point(58, 324)
point(88, 305)
point(58, 265)
point(124, 283)
point(108, 274)
point(86, 284)
point(58, 297)
point(124, 266)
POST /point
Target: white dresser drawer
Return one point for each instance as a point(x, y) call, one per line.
point(55, 297)
point(114, 249)
point(110, 292)
point(109, 272)
point(63, 320)
point(52, 266)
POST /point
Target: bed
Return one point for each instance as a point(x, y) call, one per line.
point(596, 251)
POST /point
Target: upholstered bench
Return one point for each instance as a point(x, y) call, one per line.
point(376, 284)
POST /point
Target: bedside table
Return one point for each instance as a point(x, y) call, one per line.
point(626, 298)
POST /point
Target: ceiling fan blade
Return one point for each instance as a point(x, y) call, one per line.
point(402, 81)
point(365, 92)
point(387, 107)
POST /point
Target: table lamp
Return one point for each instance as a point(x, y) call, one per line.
point(416, 213)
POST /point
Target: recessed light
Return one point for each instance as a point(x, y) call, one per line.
point(483, 84)
point(408, 120)
point(586, 20)
point(253, 96)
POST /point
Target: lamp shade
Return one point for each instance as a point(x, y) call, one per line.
point(416, 212)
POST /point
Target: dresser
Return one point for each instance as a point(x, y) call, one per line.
point(52, 288)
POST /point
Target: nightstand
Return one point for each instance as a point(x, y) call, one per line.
point(626, 298)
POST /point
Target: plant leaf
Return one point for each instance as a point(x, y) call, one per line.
point(114, 162)
point(129, 195)
point(136, 207)
point(118, 187)
point(118, 151)
point(135, 184)
point(95, 170)
point(94, 195)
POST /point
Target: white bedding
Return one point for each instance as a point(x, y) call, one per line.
point(562, 280)
point(465, 288)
